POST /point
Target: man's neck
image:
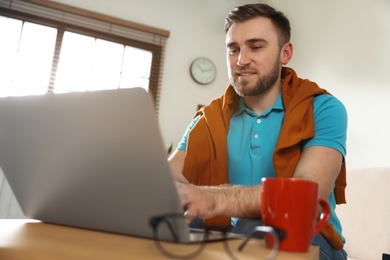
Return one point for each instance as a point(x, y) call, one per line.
point(262, 102)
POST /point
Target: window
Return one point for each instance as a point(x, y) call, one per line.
point(87, 63)
point(46, 50)
point(27, 51)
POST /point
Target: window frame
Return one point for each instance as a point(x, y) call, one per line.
point(156, 50)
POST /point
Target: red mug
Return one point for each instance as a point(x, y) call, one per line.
point(290, 206)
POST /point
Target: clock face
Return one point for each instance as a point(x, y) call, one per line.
point(203, 71)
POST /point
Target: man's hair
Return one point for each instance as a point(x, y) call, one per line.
point(247, 12)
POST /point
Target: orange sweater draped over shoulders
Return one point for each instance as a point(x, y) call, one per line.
point(206, 160)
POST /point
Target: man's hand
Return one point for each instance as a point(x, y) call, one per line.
point(210, 201)
point(197, 201)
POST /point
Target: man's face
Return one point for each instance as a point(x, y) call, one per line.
point(253, 56)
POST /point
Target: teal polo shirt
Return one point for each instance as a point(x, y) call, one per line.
point(252, 138)
point(251, 141)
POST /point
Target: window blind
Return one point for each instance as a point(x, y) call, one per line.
point(98, 22)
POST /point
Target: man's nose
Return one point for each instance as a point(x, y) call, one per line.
point(243, 59)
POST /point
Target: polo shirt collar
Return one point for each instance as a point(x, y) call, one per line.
point(278, 106)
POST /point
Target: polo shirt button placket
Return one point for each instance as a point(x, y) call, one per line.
point(258, 121)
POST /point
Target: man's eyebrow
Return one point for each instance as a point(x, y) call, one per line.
point(256, 40)
point(230, 44)
point(249, 41)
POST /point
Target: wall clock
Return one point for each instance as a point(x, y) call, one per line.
point(203, 71)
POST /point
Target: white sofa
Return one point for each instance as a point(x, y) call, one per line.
point(366, 216)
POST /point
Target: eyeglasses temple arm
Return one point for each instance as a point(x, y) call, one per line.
point(264, 229)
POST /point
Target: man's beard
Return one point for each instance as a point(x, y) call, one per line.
point(262, 85)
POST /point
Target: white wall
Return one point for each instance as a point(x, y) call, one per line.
point(342, 45)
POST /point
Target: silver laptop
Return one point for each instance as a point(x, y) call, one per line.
point(93, 160)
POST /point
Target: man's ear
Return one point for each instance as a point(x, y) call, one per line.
point(286, 53)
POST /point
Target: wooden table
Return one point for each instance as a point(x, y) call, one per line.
point(30, 239)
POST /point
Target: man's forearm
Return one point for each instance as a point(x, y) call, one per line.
point(210, 201)
point(239, 201)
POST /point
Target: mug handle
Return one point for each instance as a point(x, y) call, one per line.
point(264, 229)
point(324, 217)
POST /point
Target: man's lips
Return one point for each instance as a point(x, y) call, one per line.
point(244, 74)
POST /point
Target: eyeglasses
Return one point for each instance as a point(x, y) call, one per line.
point(168, 242)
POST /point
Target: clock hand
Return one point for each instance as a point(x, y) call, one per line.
point(200, 68)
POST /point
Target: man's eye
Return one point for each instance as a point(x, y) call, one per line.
point(232, 51)
point(256, 48)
